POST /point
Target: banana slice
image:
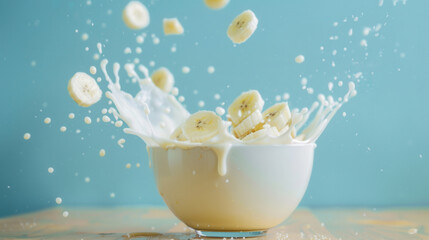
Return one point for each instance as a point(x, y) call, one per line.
point(277, 115)
point(136, 15)
point(248, 125)
point(216, 4)
point(178, 134)
point(270, 131)
point(84, 89)
point(172, 26)
point(202, 126)
point(244, 106)
point(242, 27)
point(163, 79)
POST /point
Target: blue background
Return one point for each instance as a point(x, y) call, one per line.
point(375, 156)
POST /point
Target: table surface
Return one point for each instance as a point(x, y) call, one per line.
point(160, 223)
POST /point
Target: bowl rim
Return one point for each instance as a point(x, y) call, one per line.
point(234, 145)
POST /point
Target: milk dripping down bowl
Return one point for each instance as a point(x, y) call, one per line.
point(262, 186)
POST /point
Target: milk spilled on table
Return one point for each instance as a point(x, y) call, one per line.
point(154, 114)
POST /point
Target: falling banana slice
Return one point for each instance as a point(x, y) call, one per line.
point(216, 4)
point(277, 115)
point(244, 106)
point(136, 15)
point(178, 134)
point(242, 27)
point(172, 26)
point(270, 131)
point(163, 79)
point(202, 126)
point(248, 125)
point(84, 90)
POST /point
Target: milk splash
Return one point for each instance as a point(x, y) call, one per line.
point(153, 115)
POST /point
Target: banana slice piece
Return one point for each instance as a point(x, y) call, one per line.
point(202, 126)
point(84, 90)
point(244, 106)
point(163, 79)
point(278, 115)
point(270, 131)
point(248, 125)
point(136, 15)
point(216, 4)
point(178, 134)
point(172, 26)
point(242, 27)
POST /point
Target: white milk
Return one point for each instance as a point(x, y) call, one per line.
point(147, 118)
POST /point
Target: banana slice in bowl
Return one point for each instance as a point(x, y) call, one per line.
point(202, 126)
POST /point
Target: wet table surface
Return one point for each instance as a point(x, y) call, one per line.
point(160, 223)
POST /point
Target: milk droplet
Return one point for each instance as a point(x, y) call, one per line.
point(87, 179)
point(77, 131)
point(330, 86)
point(104, 110)
point(128, 165)
point(96, 56)
point(350, 32)
point(138, 50)
point(27, 136)
point(152, 63)
point(47, 120)
point(63, 128)
point(310, 90)
point(33, 63)
point(127, 50)
point(100, 48)
point(201, 103)
point(156, 41)
point(286, 96)
point(366, 31)
point(71, 115)
point(220, 111)
point(58, 200)
point(181, 99)
point(173, 49)
point(304, 81)
point(217, 96)
point(175, 91)
point(139, 39)
point(87, 120)
point(102, 153)
point(364, 43)
point(344, 114)
point(85, 36)
point(335, 24)
point(121, 142)
point(112, 195)
point(186, 70)
point(105, 118)
point(210, 69)
point(299, 59)
point(278, 98)
point(93, 70)
point(65, 214)
point(118, 123)
point(50, 170)
point(420, 155)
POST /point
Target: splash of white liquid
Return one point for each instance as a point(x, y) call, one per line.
point(147, 118)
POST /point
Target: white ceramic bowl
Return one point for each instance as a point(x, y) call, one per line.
point(262, 187)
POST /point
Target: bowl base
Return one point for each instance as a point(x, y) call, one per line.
point(235, 234)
